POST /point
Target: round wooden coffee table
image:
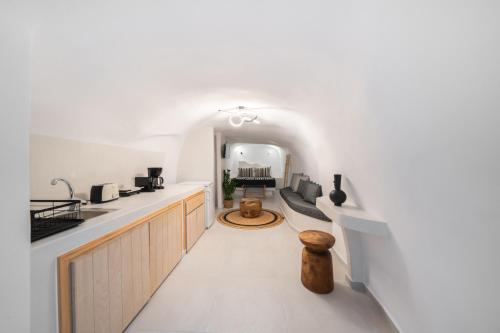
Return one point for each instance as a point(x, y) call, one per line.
point(250, 207)
point(317, 268)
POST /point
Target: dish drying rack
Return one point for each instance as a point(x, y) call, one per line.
point(49, 217)
point(44, 209)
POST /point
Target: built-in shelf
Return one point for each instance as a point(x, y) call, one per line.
point(354, 223)
point(352, 217)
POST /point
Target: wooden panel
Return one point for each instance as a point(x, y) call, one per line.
point(146, 290)
point(154, 252)
point(195, 226)
point(165, 245)
point(164, 249)
point(200, 220)
point(127, 279)
point(190, 228)
point(101, 290)
point(115, 285)
point(194, 202)
point(178, 238)
point(137, 269)
point(171, 254)
point(82, 294)
point(184, 231)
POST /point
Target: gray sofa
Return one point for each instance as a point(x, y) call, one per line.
point(297, 203)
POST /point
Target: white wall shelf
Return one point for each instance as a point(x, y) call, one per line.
point(354, 222)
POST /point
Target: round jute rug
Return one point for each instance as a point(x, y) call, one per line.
point(267, 219)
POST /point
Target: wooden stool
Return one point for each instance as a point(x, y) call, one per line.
point(250, 207)
point(317, 268)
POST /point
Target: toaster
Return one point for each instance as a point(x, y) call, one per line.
point(104, 193)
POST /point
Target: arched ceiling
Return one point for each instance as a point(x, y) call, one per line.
point(116, 71)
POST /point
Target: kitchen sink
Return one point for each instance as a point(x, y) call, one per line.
point(86, 214)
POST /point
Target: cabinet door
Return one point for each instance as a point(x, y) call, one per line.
point(133, 245)
point(127, 279)
point(174, 237)
point(190, 229)
point(115, 285)
point(156, 251)
point(96, 282)
point(101, 289)
point(82, 292)
point(165, 245)
point(200, 220)
point(179, 239)
point(110, 283)
point(195, 225)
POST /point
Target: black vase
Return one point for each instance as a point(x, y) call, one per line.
point(337, 196)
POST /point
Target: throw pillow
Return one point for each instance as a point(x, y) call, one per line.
point(267, 172)
point(304, 178)
point(295, 180)
point(312, 192)
point(302, 187)
point(245, 172)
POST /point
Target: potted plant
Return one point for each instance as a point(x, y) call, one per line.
point(229, 187)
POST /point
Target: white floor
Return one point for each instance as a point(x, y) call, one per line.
point(237, 280)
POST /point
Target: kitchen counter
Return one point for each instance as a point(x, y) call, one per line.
point(44, 252)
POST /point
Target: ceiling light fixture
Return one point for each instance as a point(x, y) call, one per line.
point(240, 115)
point(236, 120)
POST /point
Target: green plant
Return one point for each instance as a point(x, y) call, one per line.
point(229, 185)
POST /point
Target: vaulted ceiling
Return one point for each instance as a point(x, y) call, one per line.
point(117, 71)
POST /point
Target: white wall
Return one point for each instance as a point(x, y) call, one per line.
point(402, 96)
point(196, 156)
point(83, 165)
point(14, 177)
point(171, 146)
point(411, 120)
point(263, 154)
point(219, 162)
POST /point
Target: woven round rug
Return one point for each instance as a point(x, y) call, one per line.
point(267, 219)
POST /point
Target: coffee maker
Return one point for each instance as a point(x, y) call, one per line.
point(156, 180)
point(145, 183)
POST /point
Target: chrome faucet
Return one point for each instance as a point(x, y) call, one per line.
point(71, 192)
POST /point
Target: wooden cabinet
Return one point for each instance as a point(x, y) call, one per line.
point(103, 284)
point(165, 244)
point(195, 219)
point(110, 283)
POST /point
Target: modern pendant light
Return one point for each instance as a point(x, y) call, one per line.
point(240, 115)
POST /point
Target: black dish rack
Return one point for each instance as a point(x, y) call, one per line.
point(49, 217)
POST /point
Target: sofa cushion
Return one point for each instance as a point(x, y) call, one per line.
point(262, 172)
point(245, 172)
point(304, 178)
point(294, 182)
point(312, 191)
point(302, 187)
point(298, 204)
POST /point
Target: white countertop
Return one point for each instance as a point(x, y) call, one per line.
point(44, 252)
point(122, 211)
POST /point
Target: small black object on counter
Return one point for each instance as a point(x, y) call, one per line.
point(337, 196)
